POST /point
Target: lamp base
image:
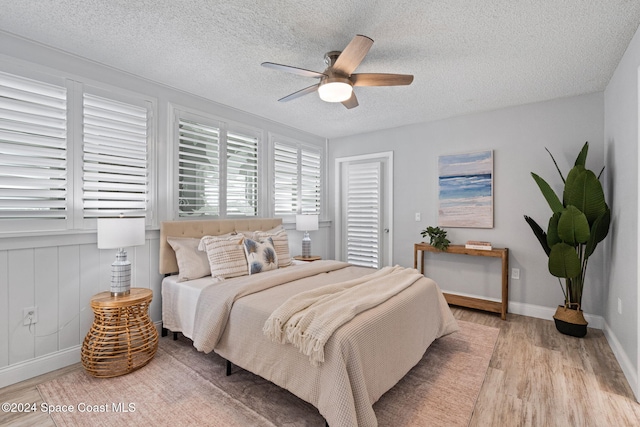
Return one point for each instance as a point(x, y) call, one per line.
point(306, 245)
point(120, 275)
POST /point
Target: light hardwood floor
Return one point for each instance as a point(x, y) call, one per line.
point(537, 377)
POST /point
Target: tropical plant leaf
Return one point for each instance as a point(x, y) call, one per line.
point(555, 163)
point(552, 230)
point(554, 202)
point(540, 234)
point(573, 227)
point(599, 231)
point(564, 261)
point(584, 191)
point(581, 160)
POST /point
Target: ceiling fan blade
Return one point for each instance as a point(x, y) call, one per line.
point(353, 54)
point(300, 93)
point(351, 102)
point(293, 70)
point(379, 79)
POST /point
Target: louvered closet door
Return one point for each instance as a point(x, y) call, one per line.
point(364, 236)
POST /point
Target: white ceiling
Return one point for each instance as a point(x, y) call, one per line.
point(466, 56)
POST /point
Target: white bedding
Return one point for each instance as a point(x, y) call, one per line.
point(180, 299)
point(364, 358)
point(179, 302)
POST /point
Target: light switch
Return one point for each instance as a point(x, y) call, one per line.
point(417, 216)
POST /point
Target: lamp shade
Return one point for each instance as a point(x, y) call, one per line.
point(306, 222)
point(114, 233)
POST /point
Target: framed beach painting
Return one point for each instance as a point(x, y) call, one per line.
point(465, 195)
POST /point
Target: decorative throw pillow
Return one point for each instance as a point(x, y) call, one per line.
point(261, 256)
point(280, 243)
point(192, 263)
point(226, 255)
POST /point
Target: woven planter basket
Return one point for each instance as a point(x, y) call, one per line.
point(570, 321)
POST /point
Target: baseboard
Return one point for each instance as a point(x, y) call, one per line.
point(538, 311)
point(41, 365)
point(627, 366)
point(541, 312)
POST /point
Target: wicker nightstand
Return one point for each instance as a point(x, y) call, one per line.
point(122, 337)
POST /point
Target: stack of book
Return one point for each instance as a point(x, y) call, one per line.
point(475, 244)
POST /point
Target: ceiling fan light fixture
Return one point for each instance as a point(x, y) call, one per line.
point(335, 89)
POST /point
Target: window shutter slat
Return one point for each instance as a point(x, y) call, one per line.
point(362, 215)
point(33, 150)
point(115, 158)
point(242, 175)
point(198, 169)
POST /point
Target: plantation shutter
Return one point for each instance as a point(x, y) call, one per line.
point(198, 169)
point(285, 179)
point(310, 172)
point(297, 179)
point(33, 151)
point(363, 214)
point(115, 177)
point(242, 175)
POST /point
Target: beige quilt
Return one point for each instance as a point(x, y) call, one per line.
point(364, 358)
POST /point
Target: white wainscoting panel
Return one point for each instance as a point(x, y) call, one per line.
point(60, 281)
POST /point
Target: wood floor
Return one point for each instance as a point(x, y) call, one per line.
point(537, 377)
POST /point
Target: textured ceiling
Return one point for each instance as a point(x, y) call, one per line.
point(466, 56)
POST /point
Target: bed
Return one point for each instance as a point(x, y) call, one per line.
point(362, 359)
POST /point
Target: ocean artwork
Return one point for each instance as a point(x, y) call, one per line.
point(465, 184)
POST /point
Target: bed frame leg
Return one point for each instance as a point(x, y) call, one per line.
point(165, 332)
point(228, 367)
point(175, 336)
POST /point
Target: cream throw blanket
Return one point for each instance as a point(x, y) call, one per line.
point(307, 320)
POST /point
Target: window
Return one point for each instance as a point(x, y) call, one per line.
point(242, 175)
point(33, 154)
point(297, 178)
point(55, 175)
point(218, 168)
point(115, 177)
point(362, 213)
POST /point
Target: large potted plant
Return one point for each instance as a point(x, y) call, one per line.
point(578, 223)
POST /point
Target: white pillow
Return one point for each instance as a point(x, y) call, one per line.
point(226, 255)
point(280, 243)
point(261, 256)
point(192, 263)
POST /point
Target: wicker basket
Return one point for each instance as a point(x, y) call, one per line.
point(122, 337)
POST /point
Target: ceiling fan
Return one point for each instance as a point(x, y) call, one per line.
point(337, 81)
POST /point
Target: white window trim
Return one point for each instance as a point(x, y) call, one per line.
point(128, 97)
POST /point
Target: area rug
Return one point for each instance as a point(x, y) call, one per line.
point(181, 386)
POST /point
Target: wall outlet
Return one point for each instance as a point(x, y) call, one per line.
point(29, 315)
point(619, 306)
point(515, 273)
point(417, 216)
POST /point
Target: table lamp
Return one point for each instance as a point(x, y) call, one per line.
point(306, 223)
point(118, 233)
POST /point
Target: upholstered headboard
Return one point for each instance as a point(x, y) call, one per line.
point(199, 228)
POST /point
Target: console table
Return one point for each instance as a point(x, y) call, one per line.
point(464, 301)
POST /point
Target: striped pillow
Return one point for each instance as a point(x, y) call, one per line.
point(280, 243)
point(226, 255)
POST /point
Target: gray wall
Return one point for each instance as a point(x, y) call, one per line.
point(621, 154)
point(517, 137)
